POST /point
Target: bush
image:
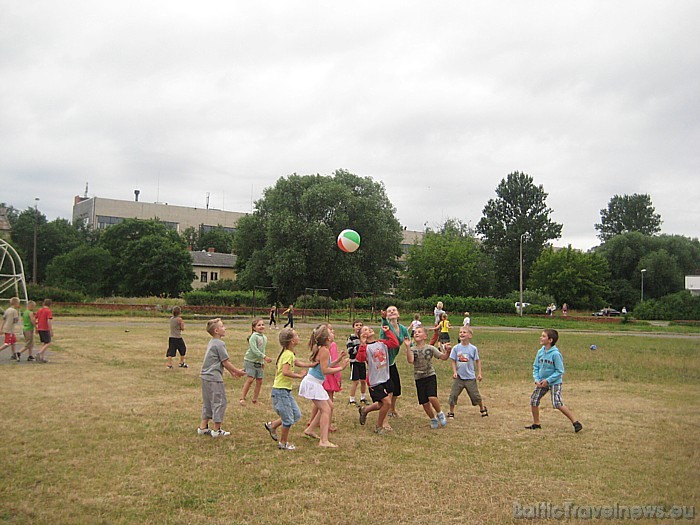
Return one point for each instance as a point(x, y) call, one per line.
point(224, 298)
point(677, 306)
point(38, 293)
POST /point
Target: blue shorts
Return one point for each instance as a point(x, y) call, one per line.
point(286, 406)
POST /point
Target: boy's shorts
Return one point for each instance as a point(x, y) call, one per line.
point(541, 391)
point(286, 406)
point(10, 338)
point(45, 336)
point(358, 371)
point(444, 337)
point(380, 391)
point(213, 400)
point(470, 385)
point(176, 344)
point(426, 387)
point(395, 380)
point(252, 369)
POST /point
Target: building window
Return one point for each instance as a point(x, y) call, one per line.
point(207, 228)
point(203, 277)
point(105, 221)
point(214, 276)
point(171, 225)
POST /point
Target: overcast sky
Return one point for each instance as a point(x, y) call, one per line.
point(438, 100)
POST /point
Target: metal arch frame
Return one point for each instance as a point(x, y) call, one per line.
point(10, 261)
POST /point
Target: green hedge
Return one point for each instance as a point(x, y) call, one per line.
point(678, 306)
point(38, 293)
point(224, 298)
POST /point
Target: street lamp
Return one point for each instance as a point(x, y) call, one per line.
point(643, 272)
point(36, 222)
point(520, 306)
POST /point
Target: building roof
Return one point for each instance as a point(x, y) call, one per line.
point(218, 260)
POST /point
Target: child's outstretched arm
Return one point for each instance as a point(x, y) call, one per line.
point(446, 349)
point(389, 338)
point(304, 364)
point(288, 372)
point(235, 372)
point(478, 369)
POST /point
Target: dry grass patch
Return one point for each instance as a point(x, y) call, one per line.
point(105, 434)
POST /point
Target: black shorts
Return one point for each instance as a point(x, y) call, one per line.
point(444, 337)
point(45, 336)
point(426, 387)
point(176, 344)
point(358, 371)
point(395, 379)
point(380, 391)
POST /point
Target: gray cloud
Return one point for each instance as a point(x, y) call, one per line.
point(440, 102)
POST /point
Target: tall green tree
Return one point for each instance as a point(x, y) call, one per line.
point(149, 259)
point(571, 276)
point(628, 213)
point(520, 209)
point(289, 241)
point(85, 269)
point(449, 261)
point(217, 238)
point(52, 238)
point(667, 259)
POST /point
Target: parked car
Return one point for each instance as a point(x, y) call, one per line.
point(606, 312)
point(525, 305)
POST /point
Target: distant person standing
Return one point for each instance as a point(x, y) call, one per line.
point(289, 312)
point(624, 310)
point(273, 316)
point(28, 326)
point(9, 319)
point(565, 309)
point(438, 311)
point(467, 320)
point(175, 342)
point(44, 325)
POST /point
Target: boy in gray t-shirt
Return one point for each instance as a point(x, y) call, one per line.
point(421, 357)
point(212, 375)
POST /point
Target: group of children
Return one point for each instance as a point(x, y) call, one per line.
point(41, 322)
point(372, 362)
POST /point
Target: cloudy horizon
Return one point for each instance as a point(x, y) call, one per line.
point(439, 102)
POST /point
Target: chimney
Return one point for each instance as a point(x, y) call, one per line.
point(211, 250)
point(136, 195)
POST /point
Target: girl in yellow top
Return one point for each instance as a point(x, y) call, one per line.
point(282, 399)
point(443, 328)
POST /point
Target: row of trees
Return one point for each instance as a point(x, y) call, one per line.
point(288, 244)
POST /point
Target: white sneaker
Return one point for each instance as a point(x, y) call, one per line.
point(220, 432)
point(203, 432)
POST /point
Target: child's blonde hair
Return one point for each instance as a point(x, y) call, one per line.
point(31, 304)
point(177, 311)
point(286, 337)
point(321, 336)
point(212, 325)
point(14, 301)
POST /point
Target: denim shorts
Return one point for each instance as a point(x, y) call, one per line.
point(286, 406)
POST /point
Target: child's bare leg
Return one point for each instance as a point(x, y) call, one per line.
point(363, 388)
point(393, 405)
point(315, 421)
point(435, 403)
point(567, 413)
point(324, 409)
point(276, 424)
point(256, 391)
point(428, 410)
point(353, 389)
point(246, 387)
point(170, 362)
point(383, 411)
point(204, 424)
point(332, 405)
point(284, 434)
point(535, 415)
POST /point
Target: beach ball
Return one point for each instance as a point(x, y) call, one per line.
point(349, 241)
point(594, 347)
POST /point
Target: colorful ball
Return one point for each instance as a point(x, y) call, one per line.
point(594, 347)
point(349, 241)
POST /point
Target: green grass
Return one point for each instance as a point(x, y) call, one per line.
point(105, 434)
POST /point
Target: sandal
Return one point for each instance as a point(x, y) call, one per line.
point(268, 427)
point(534, 426)
point(484, 412)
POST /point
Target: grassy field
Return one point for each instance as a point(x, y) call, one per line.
point(104, 433)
